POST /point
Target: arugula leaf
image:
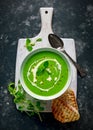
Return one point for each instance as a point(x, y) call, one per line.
point(39, 40)
point(25, 105)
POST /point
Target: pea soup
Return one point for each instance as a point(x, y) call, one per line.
point(45, 73)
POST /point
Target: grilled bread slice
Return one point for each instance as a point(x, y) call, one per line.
point(65, 108)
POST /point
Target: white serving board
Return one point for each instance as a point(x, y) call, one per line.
point(22, 52)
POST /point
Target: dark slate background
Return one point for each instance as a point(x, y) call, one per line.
point(21, 19)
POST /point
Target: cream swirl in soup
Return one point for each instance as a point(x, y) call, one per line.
point(45, 73)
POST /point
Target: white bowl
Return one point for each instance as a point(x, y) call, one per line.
point(40, 97)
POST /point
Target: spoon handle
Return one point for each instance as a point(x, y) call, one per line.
point(80, 70)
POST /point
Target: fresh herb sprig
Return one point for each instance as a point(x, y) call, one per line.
point(24, 104)
point(29, 44)
point(42, 69)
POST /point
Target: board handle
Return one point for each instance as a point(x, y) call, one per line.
point(46, 20)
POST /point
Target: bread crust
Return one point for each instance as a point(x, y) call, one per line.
point(65, 108)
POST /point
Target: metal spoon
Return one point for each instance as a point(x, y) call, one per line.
point(56, 42)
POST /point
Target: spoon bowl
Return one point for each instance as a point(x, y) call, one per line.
point(56, 42)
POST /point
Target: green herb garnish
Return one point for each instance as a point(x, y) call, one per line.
point(24, 104)
point(42, 69)
point(39, 40)
point(29, 44)
point(46, 63)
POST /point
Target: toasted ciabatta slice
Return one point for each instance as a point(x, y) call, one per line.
point(65, 108)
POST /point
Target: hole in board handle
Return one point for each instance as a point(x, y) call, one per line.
point(46, 12)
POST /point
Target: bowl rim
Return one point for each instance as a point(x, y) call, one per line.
point(39, 97)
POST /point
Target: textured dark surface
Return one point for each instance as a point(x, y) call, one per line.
point(21, 19)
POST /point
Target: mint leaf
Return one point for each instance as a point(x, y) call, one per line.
point(29, 48)
point(28, 44)
point(46, 63)
point(39, 40)
point(40, 71)
point(28, 41)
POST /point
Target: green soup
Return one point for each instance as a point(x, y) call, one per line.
point(45, 73)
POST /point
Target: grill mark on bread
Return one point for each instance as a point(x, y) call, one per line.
point(65, 108)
